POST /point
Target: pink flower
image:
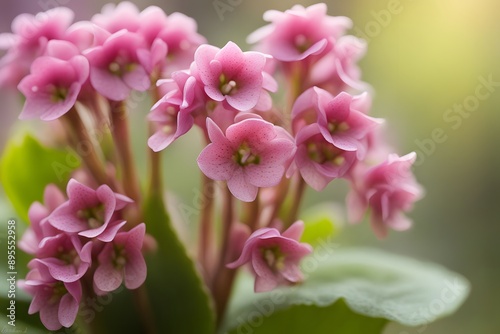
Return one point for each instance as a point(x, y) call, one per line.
point(39, 227)
point(58, 302)
point(274, 257)
point(90, 212)
point(388, 190)
point(299, 32)
point(115, 68)
point(114, 18)
point(338, 70)
point(65, 257)
point(318, 160)
point(252, 153)
point(52, 87)
point(178, 34)
point(122, 260)
point(339, 122)
point(234, 77)
point(173, 114)
point(28, 40)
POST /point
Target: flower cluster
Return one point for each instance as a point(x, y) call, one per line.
point(263, 149)
point(81, 247)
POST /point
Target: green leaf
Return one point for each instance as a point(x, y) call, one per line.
point(322, 222)
point(373, 284)
point(336, 318)
point(179, 297)
point(27, 167)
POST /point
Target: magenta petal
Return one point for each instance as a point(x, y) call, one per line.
point(109, 85)
point(41, 105)
point(40, 298)
point(160, 140)
point(245, 99)
point(232, 57)
point(240, 188)
point(68, 310)
point(135, 236)
point(107, 197)
point(295, 230)
point(135, 270)
point(260, 266)
point(63, 272)
point(137, 79)
point(202, 57)
point(215, 161)
point(49, 315)
point(264, 284)
point(63, 218)
point(109, 234)
point(81, 196)
point(107, 278)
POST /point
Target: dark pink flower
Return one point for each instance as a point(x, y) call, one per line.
point(52, 87)
point(115, 68)
point(388, 190)
point(252, 153)
point(274, 257)
point(89, 212)
point(122, 260)
point(299, 32)
point(234, 77)
point(339, 122)
point(318, 160)
point(65, 257)
point(58, 302)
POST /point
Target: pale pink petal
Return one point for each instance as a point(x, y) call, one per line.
point(240, 188)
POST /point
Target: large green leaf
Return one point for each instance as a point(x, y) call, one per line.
point(179, 298)
point(373, 284)
point(336, 318)
point(27, 167)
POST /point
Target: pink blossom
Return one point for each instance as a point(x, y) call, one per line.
point(65, 257)
point(173, 113)
point(388, 190)
point(173, 40)
point(116, 17)
point(299, 32)
point(89, 212)
point(29, 37)
point(122, 260)
point(252, 153)
point(115, 68)
point(234, 77)
point(52, 87)
point(274, 256)
point(339, 122)
point(58, 302)
point(318, 160)
point(338, 70)
point(39, 227)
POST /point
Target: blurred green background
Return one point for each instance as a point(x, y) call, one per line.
point(424, 59)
